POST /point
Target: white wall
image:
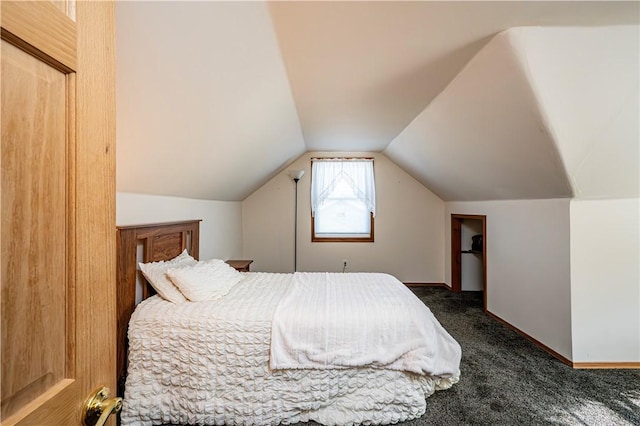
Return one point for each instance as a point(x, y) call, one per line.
point(220, 229)
point(409, 230)
point(605, 280)
point(528, 269)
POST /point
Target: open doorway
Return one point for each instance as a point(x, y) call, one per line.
point(469, 254)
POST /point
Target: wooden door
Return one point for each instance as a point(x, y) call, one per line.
point(57, 206)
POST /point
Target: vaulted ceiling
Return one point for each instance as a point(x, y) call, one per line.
point(559, 117)
point(214, 98)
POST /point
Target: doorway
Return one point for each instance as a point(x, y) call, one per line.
point(469, 254)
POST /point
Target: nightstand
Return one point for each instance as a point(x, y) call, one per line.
point(240, 265)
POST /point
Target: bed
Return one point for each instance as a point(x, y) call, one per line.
point(243, 358)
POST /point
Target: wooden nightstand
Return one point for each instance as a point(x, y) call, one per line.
point(240, 265)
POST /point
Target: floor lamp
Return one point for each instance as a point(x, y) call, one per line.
point(296, 175)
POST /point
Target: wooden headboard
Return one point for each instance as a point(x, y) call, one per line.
point(160, 241)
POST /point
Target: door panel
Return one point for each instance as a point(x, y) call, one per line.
point(43, 30)
point(34, 248)
point(58, 344)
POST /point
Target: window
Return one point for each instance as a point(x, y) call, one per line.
point(343, 199)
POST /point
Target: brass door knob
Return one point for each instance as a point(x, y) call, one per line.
point(99, 407)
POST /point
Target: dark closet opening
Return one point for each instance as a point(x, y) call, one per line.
point(465, 241)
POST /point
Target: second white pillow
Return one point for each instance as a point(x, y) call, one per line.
point(207, 280)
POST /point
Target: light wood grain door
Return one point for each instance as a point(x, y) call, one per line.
point(57, 205)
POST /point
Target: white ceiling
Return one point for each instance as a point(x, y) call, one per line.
point(361, 71)
point(504, 149)
point(204, 108)
point(214, 98)
point(554, 121)
point(587, 82)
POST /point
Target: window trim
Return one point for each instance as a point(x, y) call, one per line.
point(319, 239)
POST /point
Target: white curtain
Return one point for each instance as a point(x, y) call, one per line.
point(357, 173)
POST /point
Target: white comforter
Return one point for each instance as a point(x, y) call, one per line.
point(333, 320)
point(207, 363)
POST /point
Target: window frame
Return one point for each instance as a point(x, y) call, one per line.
point(350, 239)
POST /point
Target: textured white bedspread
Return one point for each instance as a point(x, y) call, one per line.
point(334, 320)
point(207, 363)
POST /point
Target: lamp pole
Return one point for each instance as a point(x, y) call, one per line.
point(295, 230)
point(296, 175)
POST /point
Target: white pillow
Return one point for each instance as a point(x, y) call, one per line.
point(207, 280)
point(156, 274)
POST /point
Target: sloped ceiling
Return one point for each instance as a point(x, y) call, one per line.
point(483, 137)
point(214, 98)
point(587, 81)
point(559, 119)
point(204, 109)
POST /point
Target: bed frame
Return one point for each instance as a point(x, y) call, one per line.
point(159, 241)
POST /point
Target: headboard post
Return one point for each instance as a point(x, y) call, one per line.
point(160, 241)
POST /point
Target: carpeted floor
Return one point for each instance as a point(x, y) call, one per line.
point(506, 380)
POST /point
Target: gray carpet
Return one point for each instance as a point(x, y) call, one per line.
point(506, 380)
